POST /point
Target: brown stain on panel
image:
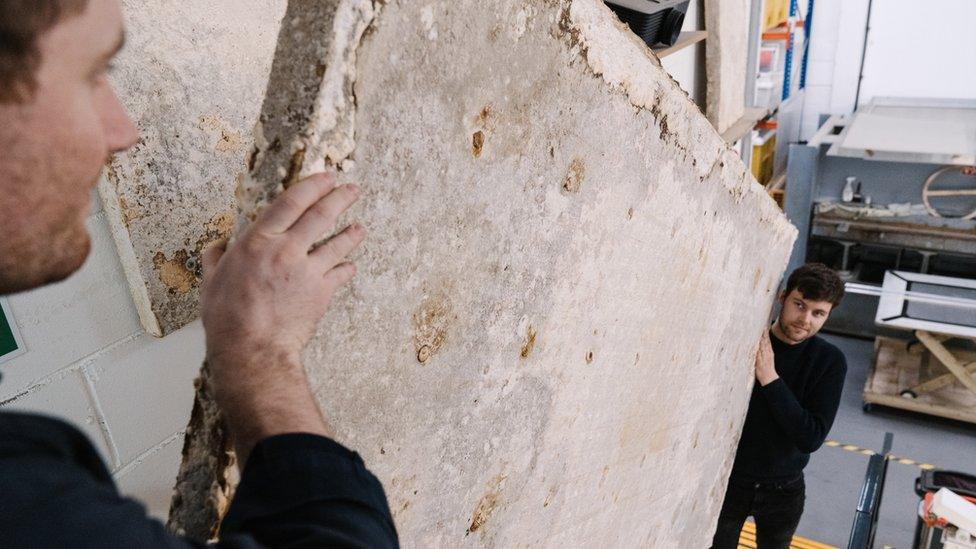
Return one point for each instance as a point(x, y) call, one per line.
point(130, 212)
point(494, 33)
point(477, 143)
point(218, 227)
point(228, 140)
point(174, 273)
point(294, 168)
point(252, 158)
point(487, 505)
point(529, 343)
point(483, 116)
point(221, 224)
point(574, 178)
point(551, 495)
point(431, 322)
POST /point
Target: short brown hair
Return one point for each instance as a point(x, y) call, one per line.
point(817, 282)
point(22, 22)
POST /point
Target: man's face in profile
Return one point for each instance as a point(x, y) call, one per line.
point(54, 143)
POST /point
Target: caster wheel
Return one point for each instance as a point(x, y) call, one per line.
point(909, 394)
point(867, 407)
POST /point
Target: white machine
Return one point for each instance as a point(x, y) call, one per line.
point(954, 515)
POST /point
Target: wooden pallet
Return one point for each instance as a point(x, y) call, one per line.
point(896, 368)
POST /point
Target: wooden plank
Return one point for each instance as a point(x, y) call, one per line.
point(948, 359)
point(685, 39)
point(914, 405)
point(895, 368)
point(726, 61)
point(941, 381)
point(745, 124)
point(777, 182)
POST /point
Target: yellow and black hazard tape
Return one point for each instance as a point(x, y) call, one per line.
point(747, 540)
point(867, 452)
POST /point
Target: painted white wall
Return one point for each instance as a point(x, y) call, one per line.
point(914, 50)
point(88, 361)
point(920, 50)
point(847, 63)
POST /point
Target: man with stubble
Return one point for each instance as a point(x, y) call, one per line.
point(799, 379)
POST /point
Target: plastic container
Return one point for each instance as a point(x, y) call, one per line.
point(928, 533)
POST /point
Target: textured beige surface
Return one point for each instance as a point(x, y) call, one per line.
point(192, 76)
point(550, 339)
point(726, 61)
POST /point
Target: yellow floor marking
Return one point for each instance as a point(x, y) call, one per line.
point(867, 452)
point(747, 539)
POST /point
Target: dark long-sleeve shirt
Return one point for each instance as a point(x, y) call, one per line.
point(296, 490)
point(789, 418)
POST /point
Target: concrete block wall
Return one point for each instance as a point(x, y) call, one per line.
point(89, 362)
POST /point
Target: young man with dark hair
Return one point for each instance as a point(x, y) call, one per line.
point(799, 379)
point(260, 301)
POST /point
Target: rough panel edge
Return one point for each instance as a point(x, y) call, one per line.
point(331, 141)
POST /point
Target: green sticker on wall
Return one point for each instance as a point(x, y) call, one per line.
point(10, 342)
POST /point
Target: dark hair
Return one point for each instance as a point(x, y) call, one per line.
point(22, 22)
point(817, 282)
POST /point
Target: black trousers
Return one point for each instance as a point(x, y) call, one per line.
point(776, 507)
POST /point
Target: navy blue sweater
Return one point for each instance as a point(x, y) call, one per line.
point(790, 418)
point(297, 490)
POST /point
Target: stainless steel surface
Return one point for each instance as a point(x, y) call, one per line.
point(920, 297)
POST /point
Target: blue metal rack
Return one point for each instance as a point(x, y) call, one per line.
point(807, 33)
point(788, 63)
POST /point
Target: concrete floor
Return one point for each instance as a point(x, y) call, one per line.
point(834, 476)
